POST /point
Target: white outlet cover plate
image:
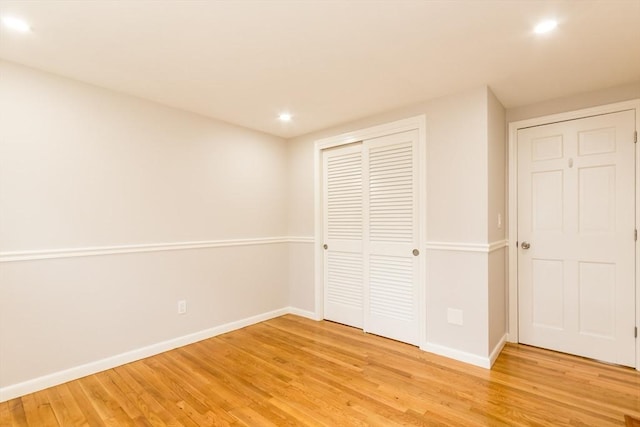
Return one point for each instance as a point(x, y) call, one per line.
point(454, 316)
point(182, 307)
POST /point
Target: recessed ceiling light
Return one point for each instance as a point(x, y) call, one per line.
point(16, 24)
point(545, 26)
point(285, 117)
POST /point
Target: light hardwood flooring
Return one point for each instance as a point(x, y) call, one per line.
point(294, 371)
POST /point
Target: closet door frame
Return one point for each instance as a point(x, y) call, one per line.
point(417, 123)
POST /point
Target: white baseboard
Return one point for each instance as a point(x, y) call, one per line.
point(304, 313)
point(461, 356)
point(497, 349)
point(512, 337)
point(50, 380)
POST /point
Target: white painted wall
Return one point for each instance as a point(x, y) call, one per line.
point(301, 275)
point(575, 102)
point(300, 210)
point(85, 167)
point(497, 190)
point(458, 207)
point(497, 163)
point(103, 169)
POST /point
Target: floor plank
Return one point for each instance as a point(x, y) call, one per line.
point(292, 371)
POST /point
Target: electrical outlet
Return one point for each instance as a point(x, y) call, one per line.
point(454, 316)
point(182, 306)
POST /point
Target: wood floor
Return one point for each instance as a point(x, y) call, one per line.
point(294, 371)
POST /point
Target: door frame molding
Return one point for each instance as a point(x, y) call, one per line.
point(418, 123)
point(512, 193)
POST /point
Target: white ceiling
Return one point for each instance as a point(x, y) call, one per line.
point(327, 62)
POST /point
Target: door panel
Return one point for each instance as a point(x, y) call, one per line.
point(391, 197)
point(343, 231)
point(597, 302)
point(548, 299)
point(547, 194)
point(576, 207)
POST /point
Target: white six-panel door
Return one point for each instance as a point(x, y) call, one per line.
point(370, 201)
point(576, 252)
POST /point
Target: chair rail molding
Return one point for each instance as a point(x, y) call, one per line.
point(34, 255)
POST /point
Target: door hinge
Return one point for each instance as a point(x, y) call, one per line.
point(635, 235)
point(635, 334)
point(635, 137)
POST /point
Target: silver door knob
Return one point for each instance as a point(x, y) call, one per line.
point(415, 252)
point(525, 245)
point(325, 246)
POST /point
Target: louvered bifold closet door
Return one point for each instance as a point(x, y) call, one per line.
point(391, 235)
point(343, 231)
